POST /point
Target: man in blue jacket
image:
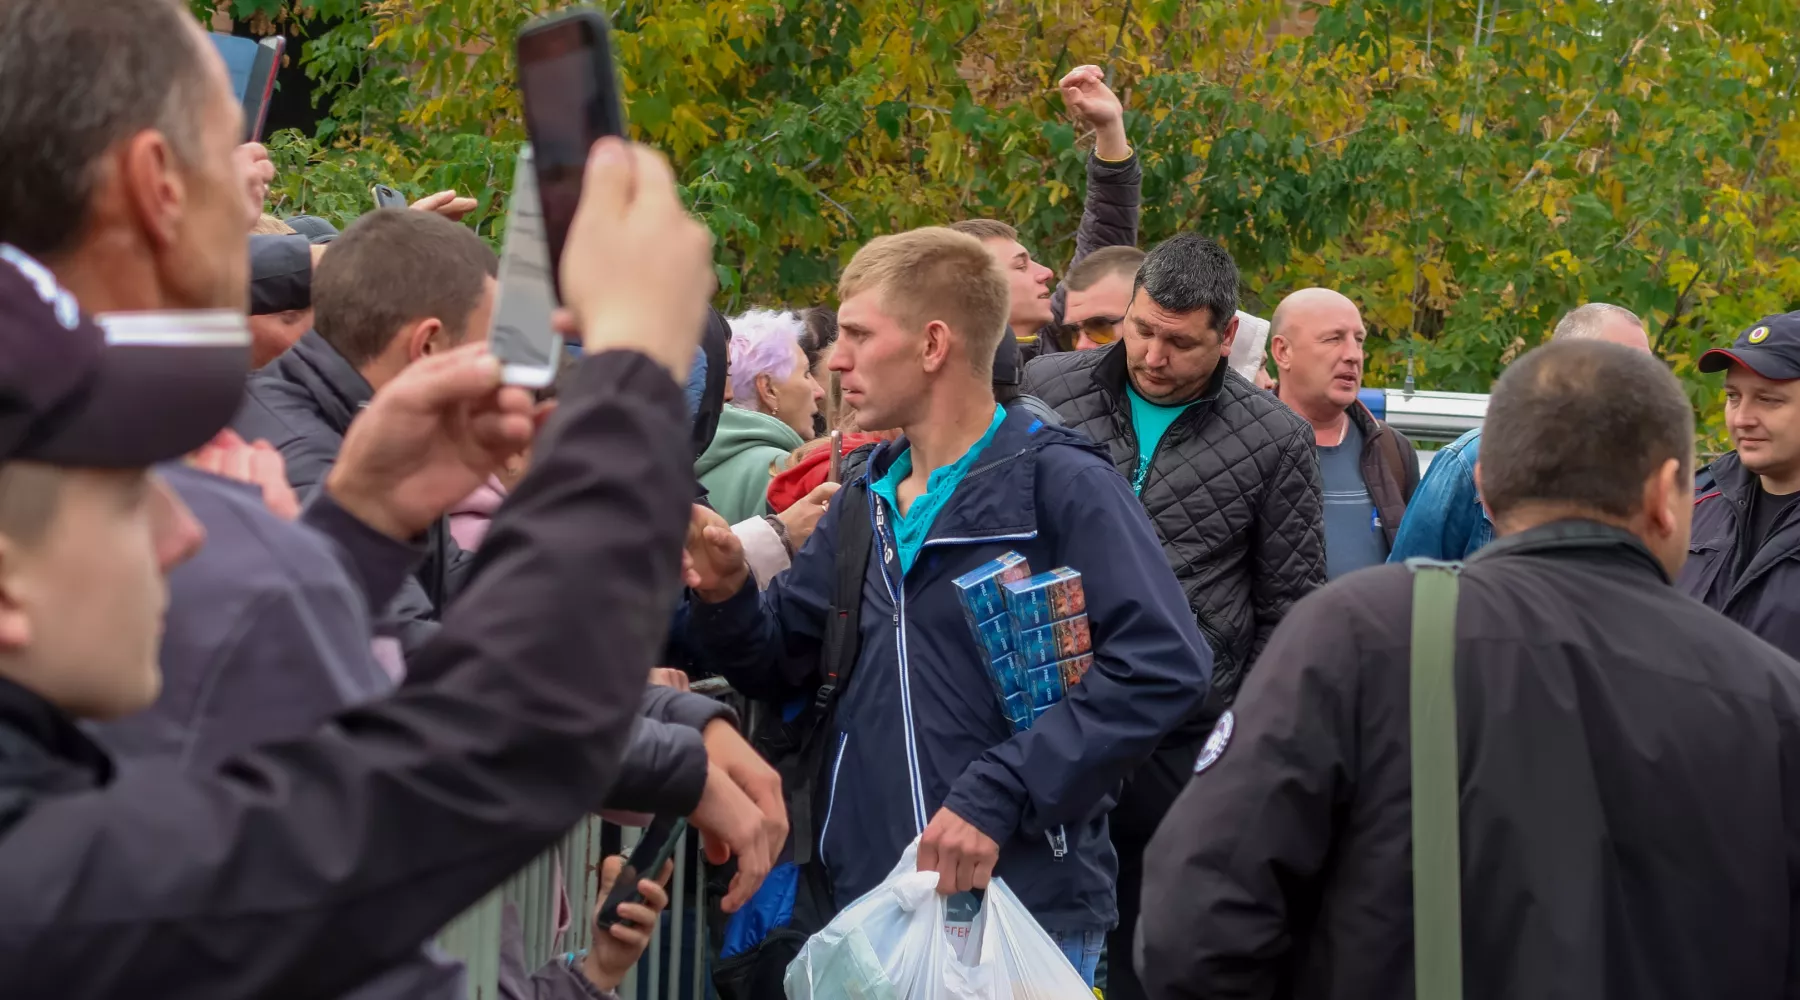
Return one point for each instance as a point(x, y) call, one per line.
point(918, 745)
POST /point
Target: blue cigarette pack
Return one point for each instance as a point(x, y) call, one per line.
point(1039, 600)
point(980, 588)
point(1045, 684)
point(1058, 640)
point(996, 635)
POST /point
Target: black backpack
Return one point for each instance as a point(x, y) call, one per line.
point(797, 750)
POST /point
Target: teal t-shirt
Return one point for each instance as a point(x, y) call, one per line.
point(911, 527)
point(1149, 422)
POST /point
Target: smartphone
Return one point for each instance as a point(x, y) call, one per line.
point(571, 96)
point(387, 197)
point(647, 859)
point(836, 473)
point(520, 333)
point(252, 66)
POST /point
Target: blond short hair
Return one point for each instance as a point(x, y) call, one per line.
point(935, 273)
point(268, 225)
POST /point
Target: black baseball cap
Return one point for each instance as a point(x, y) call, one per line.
point(1771, 349)
point(280, 274)
point(313, 228)
point(127, 391)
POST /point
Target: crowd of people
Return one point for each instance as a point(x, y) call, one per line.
point(312, 631)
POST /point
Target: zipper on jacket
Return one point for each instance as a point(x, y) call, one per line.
point(1059, 842)
point(1143, 473)
point(837, 762)
point(898, 596)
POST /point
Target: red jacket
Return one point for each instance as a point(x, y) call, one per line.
point(792, 484)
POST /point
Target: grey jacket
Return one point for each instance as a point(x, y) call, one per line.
point(303, 403)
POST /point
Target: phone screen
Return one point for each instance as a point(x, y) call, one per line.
point(571, 97)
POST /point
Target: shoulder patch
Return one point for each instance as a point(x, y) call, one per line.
point(1216, 743)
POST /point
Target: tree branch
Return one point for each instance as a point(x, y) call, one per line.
point(1623, 63)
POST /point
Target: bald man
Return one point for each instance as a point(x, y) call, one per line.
point(1448, 521)
point(1369, 469)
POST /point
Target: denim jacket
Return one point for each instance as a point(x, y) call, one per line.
point(1445, 519)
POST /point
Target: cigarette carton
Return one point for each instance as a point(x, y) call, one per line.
point(979, 589)
point(1039, 600)
point(1056, 641)
point(1074, 668)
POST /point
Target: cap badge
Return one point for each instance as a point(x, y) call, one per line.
point(1758, 335)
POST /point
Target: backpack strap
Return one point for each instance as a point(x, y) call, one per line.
point(1436, 817)
point(837, 657)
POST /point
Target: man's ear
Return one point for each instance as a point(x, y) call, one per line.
point(1663, 491)
point(425, 338)
point(1229, 336)
point(936, 346)
point(1489, 511)
point(149, 189)
point(15, 624)
point(1281, 351)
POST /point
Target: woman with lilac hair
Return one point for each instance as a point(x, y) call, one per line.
point(773, 401)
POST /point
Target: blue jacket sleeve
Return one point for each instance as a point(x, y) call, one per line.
point(1151, 667)
point(767, 645)
point(1444, 510)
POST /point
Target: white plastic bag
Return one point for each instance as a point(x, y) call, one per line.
point(892, 944)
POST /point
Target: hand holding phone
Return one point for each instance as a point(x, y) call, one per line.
point(616, 951)
point(647, 859)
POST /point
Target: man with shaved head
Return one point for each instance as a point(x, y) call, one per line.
point(1369, 469)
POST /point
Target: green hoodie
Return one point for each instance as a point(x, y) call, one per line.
point(735, 468)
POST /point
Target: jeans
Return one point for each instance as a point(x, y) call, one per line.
point(1082, 949)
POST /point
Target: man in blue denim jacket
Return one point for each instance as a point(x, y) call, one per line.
point(1446, 519)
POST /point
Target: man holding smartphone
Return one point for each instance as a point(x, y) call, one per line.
point(307, 867)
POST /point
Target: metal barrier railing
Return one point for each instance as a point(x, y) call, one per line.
point(673, 967)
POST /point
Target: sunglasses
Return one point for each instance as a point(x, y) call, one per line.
point(1101, 330)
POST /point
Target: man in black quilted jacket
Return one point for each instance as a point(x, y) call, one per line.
point(1229, 478)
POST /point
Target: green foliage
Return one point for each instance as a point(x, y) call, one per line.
point(1465, 170)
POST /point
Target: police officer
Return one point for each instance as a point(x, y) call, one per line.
point(1742, 562)
point(1628, 758)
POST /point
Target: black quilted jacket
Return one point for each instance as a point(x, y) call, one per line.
point(1233, 491)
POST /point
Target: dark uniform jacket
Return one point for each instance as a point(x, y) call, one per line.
point(306, 867)
point(1765, 596)
point(1233, 492)
point(1630, 764)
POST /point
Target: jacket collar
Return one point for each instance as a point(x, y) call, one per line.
point(997, 498)
point(1112, 375)
point(1730, 478)
point(334, 385)
point(42, 748)
point(1589, 541)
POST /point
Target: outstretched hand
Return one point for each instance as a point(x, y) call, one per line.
point(713, 564)
point(448, 204)
point(1085, 92)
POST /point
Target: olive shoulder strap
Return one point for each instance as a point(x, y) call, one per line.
point(1436, 836)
